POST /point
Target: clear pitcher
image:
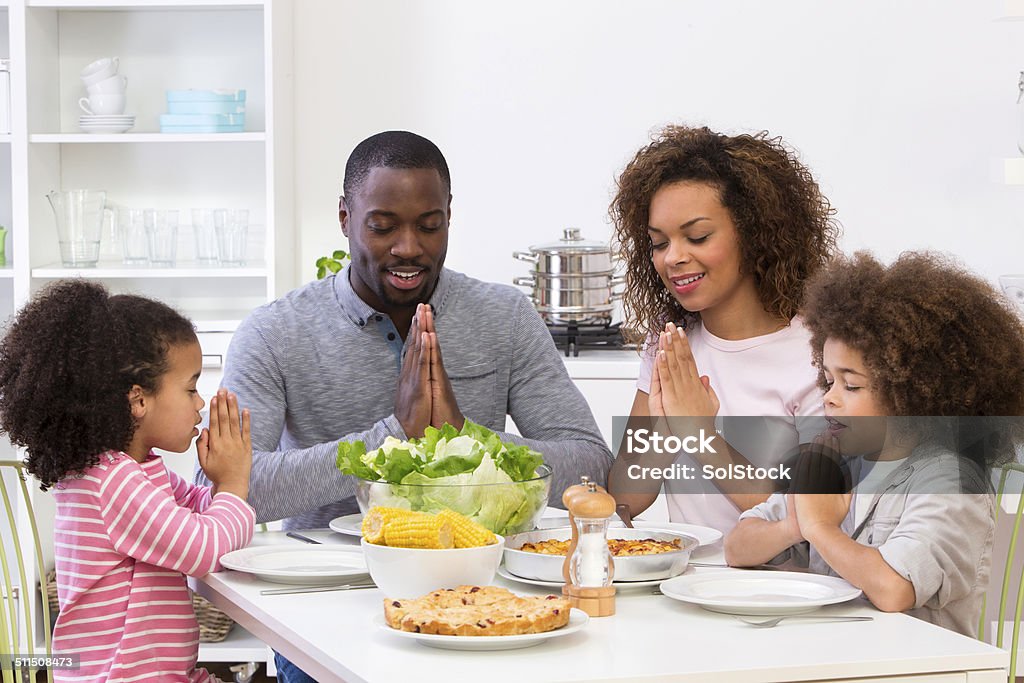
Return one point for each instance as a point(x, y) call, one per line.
point(79, 215)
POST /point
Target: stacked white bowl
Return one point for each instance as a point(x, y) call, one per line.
point(104, 106)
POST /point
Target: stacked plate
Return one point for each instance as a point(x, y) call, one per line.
point(106, 123)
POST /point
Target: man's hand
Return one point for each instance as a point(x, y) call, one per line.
point(443, 405)
point(683, 391)
point(225, 447)
point(412, 399)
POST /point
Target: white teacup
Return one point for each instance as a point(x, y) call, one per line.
point(113, 85)
point(103, 103)
point(99, 70)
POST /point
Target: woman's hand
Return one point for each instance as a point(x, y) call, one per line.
point(225, 447)
point(682, 390)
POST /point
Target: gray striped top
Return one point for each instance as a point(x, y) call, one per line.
point(319, 366)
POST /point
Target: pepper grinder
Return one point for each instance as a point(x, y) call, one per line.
point(589, 568)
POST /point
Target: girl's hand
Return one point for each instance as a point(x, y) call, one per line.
point(225, 448)
point(684, 391)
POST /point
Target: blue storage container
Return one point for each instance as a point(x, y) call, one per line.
point(206, 107)
point(202, 129)
point(202, 120)
point(206, 95)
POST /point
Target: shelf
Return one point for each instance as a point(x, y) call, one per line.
point(239, 646)
point(5, 137)
point(6, 272)
point(118, 271)
point(1013, 171)
point(145, 4)
point(123, 138)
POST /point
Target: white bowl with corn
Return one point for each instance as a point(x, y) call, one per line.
point(412, 553)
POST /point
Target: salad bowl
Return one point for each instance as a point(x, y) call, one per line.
point(502, 486)
point(503, 507)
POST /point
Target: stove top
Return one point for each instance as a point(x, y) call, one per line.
point(571, 337)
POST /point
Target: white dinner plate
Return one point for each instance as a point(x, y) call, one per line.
point(759, 593)
point(621, 585)
point(577, 620)
point(93, 128)
point(350, 525)
point(307, 565)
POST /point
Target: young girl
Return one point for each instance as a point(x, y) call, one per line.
point(719, 234)
point(89, 384)
point(921, 337)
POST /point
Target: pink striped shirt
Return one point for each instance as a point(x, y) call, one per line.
point(126, 535)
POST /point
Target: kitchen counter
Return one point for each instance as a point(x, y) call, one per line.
point(604, 364)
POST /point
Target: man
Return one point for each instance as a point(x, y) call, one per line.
point(335, 360)
point(325, 363)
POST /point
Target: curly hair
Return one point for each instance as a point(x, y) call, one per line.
point(937, 340)
point(786, 227)
point(67, 364)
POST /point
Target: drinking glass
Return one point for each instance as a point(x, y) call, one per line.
point(162, 235)
point(206, 236)
point(232, 228)
point(133, 235)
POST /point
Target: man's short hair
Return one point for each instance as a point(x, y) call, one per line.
point(393, 149)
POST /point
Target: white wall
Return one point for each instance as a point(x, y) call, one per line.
point(901, 108)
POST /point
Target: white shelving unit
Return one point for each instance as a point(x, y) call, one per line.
point(161, 46)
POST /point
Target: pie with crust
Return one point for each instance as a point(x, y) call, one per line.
point(477, 611)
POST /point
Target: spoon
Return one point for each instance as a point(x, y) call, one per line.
point(774, 621)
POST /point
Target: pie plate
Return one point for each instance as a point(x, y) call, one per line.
point(759, 593)
point(306, 565)
point(577, 620)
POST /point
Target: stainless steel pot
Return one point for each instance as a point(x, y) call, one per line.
point(571, 255)
point(556, 298)
point(575, 282)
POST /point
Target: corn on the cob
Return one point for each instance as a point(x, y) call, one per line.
point(420, 531)
point(378, 517)
point(468, 534)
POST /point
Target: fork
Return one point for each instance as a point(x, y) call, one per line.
point(774, 621)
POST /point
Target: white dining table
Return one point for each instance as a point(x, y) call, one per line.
point(336, 636)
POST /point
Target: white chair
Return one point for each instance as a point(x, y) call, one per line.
point(17, 626)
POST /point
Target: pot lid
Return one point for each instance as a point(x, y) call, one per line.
point(571, 243)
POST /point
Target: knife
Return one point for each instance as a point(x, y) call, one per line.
point(300, 537)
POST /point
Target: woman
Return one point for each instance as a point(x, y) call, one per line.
point(719, 234)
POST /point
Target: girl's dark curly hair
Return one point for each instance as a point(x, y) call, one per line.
point(66, 366)
point(786, 226)
point(937, 341)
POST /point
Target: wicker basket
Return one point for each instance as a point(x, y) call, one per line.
point(214, 625)
point(51, 596)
